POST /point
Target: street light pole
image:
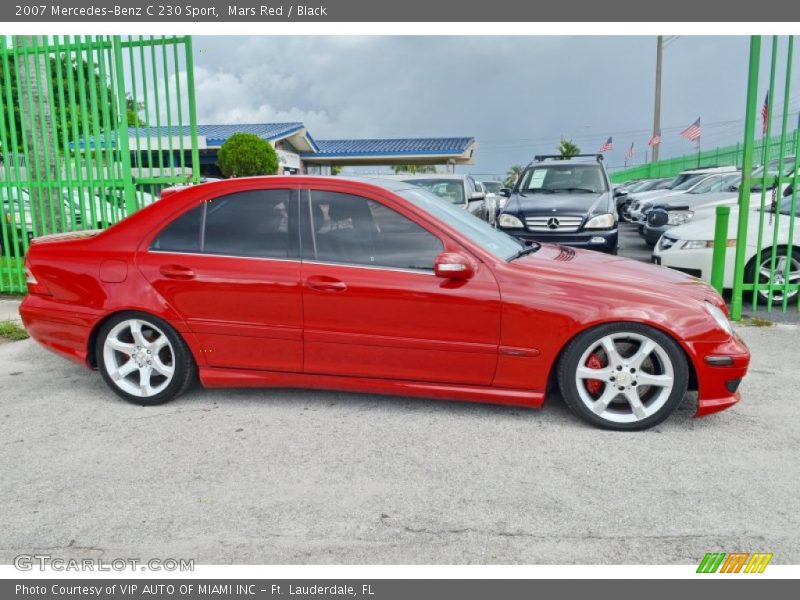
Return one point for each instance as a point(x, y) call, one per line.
point(657, 104)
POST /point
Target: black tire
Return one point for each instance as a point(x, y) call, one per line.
point(766, 254)
point(568, 364)
point(185, 369)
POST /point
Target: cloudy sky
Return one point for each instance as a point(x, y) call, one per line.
point(516, 95)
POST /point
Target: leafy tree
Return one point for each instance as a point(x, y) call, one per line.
point(414, 169)
point(512, 175)
point(246, 155)
point(81, 78)
point(335, 169)
point(567, 149)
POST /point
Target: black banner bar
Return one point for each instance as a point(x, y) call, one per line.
point(710, 586)
point(408, 10)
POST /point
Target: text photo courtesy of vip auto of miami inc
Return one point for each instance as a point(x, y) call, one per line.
point(286, 312)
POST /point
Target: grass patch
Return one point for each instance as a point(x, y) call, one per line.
point(754, 322)
point(9, 330)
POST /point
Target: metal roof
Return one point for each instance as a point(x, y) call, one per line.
point(217, 134)
point(392, 147)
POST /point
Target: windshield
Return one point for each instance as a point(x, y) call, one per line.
point(480, 232)
point(714, 184)
point(493, 187)
point(451, 190)
point(772, 172)
point(557, 179)
point(690, 181)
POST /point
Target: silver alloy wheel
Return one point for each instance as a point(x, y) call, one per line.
point(139, 358)
point(784, 269)
point(633, 381)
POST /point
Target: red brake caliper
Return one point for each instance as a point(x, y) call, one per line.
point(594, 386)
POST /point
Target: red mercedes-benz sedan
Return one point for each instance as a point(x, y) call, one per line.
point(374, 286)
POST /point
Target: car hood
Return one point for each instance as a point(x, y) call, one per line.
point(612, 274)
point(559, 203)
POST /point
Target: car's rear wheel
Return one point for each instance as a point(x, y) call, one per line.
point(623, 376)
point(786, 268)
point(143, 359)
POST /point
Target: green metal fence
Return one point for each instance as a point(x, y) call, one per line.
point(722, 156)
point(766, 266)
point(91, 129)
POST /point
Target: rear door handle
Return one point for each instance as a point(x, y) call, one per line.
point(176, 272)
point(326, 284)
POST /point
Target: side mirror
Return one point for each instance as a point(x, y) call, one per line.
point(452, 265)
point(788, 191)
point(477, 196)
point(505, 192)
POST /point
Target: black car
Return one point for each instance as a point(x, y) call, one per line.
point(565, 201)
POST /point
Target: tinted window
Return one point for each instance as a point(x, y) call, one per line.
point(354, 230)
point(248, 224)
point(183, 234)
point(254, 223)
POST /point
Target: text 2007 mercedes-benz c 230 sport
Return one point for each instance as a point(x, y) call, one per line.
point(374, 286)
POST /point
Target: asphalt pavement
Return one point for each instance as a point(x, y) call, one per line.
point(292, 476)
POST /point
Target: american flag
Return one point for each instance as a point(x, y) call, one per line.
point(629, 155)
point(692, 132)
point(655, 140)
point(765, 115)
point(609, 145)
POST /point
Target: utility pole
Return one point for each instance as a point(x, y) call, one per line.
point(657, 104)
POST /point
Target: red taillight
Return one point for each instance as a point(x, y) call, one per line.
point(34, 287)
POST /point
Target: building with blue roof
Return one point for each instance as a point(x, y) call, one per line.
point(298, 152)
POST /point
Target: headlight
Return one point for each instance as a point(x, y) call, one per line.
point(699, 244)
point(600, 222)
point(510, 222)
point(719, 317)
point(679, 217)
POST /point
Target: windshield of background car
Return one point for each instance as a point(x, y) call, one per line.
point(710, 184)
point(662, 185)
point(451, 190)
point(772, 171)
point(690, 181)
point(480, 232)
point(561, 179)
point(493, 187)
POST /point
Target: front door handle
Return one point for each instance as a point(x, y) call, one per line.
point(326, 284)
point(176, 272)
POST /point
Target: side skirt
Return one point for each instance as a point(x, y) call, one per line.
point(216, 377)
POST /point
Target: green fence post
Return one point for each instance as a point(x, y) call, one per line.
point(720, 246)
point(747, 168)
point(192, 110)
point(122, 127)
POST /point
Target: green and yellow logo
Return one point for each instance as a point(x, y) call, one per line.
point(735, 562)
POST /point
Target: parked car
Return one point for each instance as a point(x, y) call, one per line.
point(373, 286)
point(683, 210)
point(493, 191)
point(678, 183)
point(689, 248)
point(671, 211)
point(563, 201)
point(18, 215)
point(624, 196)
point(459, 190)
point(700, 184)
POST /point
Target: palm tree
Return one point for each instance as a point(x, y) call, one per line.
point(512, 175)
point(567, 149)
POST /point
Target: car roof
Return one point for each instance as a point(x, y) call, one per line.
point(424, 176)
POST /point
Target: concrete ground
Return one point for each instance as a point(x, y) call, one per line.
point(286, 476)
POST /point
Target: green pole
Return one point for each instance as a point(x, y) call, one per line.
point(720, 246)
point(122, 129)
point(747, 170)
point(192, 110)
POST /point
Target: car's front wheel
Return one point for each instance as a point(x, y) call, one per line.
point(623, 376)
point(786, 271)
point(143, 359)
